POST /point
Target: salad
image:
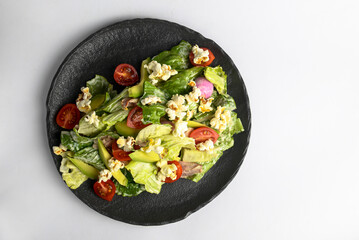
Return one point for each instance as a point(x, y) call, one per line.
point(171, 121)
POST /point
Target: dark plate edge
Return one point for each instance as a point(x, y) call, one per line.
point(71, 53)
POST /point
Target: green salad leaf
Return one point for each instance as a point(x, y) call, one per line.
point(90, 156)
point(218, 77)
point(178, 84)
point(112, 93)
point(145, 173)
point(177, 57)
point(153, 131)
point(98, 85)
point(114, 117)
point(205, 167)
point(132, 189)
point(225, 140)
point(115, 103)
point(151, 90)
point(174, 144)
point(71, 174)
point(88, 129)
point(153, 113)
point(225, 101)
point(203, 117)
point(78, 138)
point(73, 142)
point(107, 133)
point(153, 185)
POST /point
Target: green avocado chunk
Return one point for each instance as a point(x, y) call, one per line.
point(141, 156)
point(85, 168)
point(197, 156)
point(194, 124)
point(137, 90)
point(97, 100)
point(124, 130)
point(105, 156)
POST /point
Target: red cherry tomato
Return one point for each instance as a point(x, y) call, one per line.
point(125, 75)
point(134, 118)
point(105, 190)
point(120, 154)
point(178, 172)
point(202, 134)
point(68, 116)
point(211, 58)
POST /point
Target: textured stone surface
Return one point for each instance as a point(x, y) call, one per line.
point(130, 42)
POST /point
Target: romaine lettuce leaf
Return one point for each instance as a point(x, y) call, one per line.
point(178, 84)
point(177, 57)
point(203, 117)
point(205, 167)
point(112, 93)
point(98, 85)
point(153, 185)
point(153, 131)
point(151, 90)
point(114, 104)
point(153, 113)
point(90, 156)
point(218, 77)
point(132, 189)
point(71, 174)
point(88, 129)
point(114, 117)
point(145, 173)
point(73, 142)
point(107, 133)
point(193, 106)
point(174, 145)
point(225, 140)
point(236, 125)
point(225, 101)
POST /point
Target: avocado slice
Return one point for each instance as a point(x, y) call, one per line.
point(85, 168)
point(189, 155)
point(105, 156)
point(141, 156)
point(194, 124)
point(137, 90)
point(97, 100)
point(124, 130)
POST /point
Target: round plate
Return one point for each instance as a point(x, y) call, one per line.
point(130, 42)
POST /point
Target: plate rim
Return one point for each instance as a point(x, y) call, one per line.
point(246, 100)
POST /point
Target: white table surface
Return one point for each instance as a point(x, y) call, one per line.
point(299, 60)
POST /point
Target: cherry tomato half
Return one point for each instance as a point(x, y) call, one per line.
point(68, 116)
point(120, 154)
point(178, 172)
point(125, 75)
point(105, 190)
point(202, 134)
point(211, 58)
point(134, 118)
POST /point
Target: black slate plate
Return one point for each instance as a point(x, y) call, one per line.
point(132, 41)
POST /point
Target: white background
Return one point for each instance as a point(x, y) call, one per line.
point(299, 60)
